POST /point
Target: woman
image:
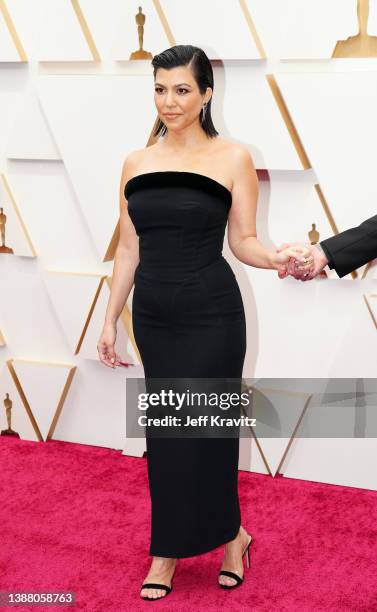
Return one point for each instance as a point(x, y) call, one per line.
point(176, 197)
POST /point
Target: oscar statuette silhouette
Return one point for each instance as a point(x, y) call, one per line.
point(140, 53)
point(8, 411)
point(3, 220)
point(361, 45)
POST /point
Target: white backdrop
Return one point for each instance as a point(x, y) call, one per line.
point(67, 121)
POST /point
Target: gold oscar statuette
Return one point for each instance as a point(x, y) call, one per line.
point(8, 411)
point(140, 53)
point(313, 235)
point(361, 45)
point(3, 220)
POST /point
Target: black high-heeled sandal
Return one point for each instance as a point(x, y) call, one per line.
point(236, 577)
point(156, 585)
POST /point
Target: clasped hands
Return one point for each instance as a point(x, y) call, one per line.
point(300, 260)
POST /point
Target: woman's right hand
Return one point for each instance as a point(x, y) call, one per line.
point(106, 344)
point(286, 254)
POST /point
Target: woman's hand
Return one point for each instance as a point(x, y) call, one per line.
point(286, 257)
point(105, 346)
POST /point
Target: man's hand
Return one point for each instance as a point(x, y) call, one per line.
point(300, 255)
point(297, 270)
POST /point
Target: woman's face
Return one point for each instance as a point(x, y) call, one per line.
point(177, 97)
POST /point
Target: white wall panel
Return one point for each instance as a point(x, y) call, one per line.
point(53, 216)
point(94, 411)
point(245, 111)
point(8, 49)
point(60, 37)
point(28, 18)
point(220, 28)
point(72, 296)
point(343, 461)
point(29, 321)
point(315, 329)
point(30, 136)
point(293, 29)
point(43, 385)
point(102, 119)
point(335, 116)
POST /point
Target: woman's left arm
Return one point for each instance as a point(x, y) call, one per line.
point(242, 232)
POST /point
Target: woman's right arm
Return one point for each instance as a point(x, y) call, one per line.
point(126, 260)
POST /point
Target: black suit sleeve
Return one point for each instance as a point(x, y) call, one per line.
point(352, 248)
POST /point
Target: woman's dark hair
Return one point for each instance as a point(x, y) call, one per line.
point(197, 60)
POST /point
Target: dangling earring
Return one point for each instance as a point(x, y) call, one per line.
point(204, 112)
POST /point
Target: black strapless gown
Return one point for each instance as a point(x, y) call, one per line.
point(188, 321)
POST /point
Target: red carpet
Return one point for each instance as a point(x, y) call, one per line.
point(75, 517)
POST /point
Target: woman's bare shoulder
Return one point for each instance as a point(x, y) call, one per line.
point(235, 150)
point(233, 159)
point(132, 159)
point(138, 159)
point(233, 153)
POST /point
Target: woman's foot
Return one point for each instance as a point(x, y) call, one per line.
point(233, 557)
point(161, 571)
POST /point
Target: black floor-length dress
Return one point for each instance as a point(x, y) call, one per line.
point(188, 321)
